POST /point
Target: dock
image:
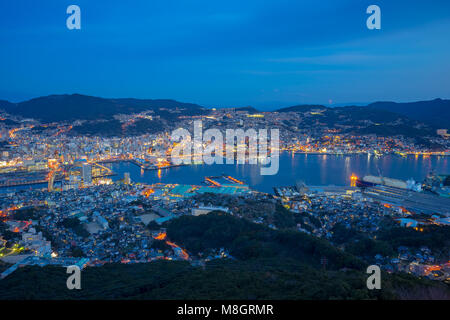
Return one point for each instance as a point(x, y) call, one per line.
point(418, 202)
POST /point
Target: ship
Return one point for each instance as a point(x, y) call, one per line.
point(371, 181)
point(360, 183)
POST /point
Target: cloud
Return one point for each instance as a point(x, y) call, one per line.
point(337, 58)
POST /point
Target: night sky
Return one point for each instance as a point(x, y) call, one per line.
point(227, 53)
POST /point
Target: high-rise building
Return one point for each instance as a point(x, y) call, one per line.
point(126, 178)
point(51, 181)
point(86, 172)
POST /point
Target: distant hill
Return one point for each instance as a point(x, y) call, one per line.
point(350, 115)
point(250, 110)
point(9, 122)
point(435, 112)
point(113, 128)
point(301, 108)
point(80, 107)
point(55, 108)
point(6, 105)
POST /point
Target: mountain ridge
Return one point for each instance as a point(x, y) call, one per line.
point(435, 112)
point(69, 107)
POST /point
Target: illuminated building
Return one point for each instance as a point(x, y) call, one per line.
point(126, 178)
point(87, 174)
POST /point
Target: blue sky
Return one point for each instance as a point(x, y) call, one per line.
point(227, 53)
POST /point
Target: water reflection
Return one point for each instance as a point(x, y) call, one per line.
point(312, 169)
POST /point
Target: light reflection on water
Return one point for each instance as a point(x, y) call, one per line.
point(311, 168)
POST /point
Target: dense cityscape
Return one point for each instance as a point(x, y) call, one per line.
point(224, 159)
point(71, 208)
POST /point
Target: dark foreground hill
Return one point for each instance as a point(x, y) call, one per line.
point(66, 107)
point(268, 279)
point(268, 264)
point(246, 240)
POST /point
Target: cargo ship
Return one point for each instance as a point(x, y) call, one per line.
point(371, 181)
point(360, 183)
